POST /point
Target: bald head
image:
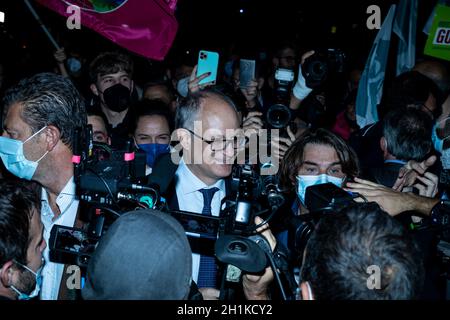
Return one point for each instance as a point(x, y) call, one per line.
point(206, 101)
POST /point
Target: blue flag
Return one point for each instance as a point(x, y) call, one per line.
point(405, 26)
point(370, 87)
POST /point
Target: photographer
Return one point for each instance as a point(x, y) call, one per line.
point(21, 242)
point(147, 257)
point(41, 115)
point(318, 156)
point(276, 113)
point(361, 253)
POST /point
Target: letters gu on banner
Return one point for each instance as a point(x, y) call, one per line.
point(146, 27)
point(438, 43)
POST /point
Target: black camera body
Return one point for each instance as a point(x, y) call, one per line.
point(108, 183)
point(71, 246)
point(320, 199)
point(279, 115)
point(319, 67)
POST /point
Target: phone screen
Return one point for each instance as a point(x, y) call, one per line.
point(246, 72)
point(208, 61)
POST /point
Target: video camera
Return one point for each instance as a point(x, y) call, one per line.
point(319, 67)
point(320, 199)
point(108, 183)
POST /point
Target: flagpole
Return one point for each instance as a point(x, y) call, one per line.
point(38, 19)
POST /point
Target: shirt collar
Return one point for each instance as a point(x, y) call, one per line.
point(190, 183)
point(395, 161)
point(65, 197)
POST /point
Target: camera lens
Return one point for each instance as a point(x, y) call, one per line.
point(319, 69)
point(278, 116)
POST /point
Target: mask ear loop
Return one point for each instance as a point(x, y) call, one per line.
point(34, 134)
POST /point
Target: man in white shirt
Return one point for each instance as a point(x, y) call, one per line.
point(208, 131)
point(41, 114)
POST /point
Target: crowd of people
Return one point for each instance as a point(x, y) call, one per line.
point(391, 169)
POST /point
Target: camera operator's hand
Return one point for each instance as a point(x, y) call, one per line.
point(391, 201)
point(252, 121)
point(250, 93)
point(281, 145)
point(300, 90)
point(256, 286)
point(408, 174)
point(193, 85)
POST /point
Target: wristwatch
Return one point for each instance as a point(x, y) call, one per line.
point(440, 214)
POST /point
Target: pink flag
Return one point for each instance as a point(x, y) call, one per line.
point(146, 27)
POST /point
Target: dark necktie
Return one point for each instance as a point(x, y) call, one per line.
point(208, 269)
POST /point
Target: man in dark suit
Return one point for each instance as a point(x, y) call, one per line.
point(209, 135)
point(406, 136)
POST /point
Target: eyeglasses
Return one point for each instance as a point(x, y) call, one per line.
point(238, 142)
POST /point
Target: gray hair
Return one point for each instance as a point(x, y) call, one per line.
point(49, 99)
point(408, 133)
point(188, 111)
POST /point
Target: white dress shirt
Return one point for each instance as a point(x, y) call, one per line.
point(191, 200)
point(68, 205)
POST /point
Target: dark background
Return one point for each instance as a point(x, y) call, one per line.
point(206, 24)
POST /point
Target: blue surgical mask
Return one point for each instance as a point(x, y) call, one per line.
point(11, 152)
point(306, 181)
point(37, 286)
point(153, 151)
point(438, 143)
point(74, 65)
point(182, 87)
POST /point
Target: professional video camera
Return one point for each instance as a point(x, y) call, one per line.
point(108, 183)
point(318, 68)
point(239, 247)
point(320, 199)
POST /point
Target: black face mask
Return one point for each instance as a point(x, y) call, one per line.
point(117, 97)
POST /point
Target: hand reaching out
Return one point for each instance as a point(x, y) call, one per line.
point(409, 173)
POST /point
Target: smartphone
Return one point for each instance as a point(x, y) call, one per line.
point(246, 72)
point(208, 61)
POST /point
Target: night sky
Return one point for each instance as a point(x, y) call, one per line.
point(207, 24)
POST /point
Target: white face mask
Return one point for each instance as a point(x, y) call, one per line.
point(182, 87)
point(307, 181)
